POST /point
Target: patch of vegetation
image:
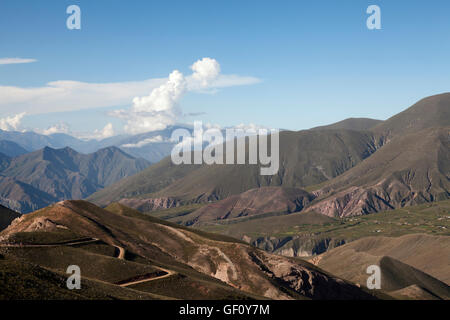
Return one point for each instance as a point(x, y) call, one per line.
point(432, 218)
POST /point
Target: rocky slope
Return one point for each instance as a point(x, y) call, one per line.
point(411, 169)
point(238, 265)
point(252, 203)
point(146, 205)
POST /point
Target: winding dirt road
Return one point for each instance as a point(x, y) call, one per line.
point(120, 256)
point(168, 274)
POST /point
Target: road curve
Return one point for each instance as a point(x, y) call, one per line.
point(121, 256)
point(168, 274)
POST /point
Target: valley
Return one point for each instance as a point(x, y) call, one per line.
point(355, 193)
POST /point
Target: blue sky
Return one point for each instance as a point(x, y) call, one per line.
point(302, 63)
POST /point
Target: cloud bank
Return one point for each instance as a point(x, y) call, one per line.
point(69, 95)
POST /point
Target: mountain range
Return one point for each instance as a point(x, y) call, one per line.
point(37, 179)
point(402, 161)
point(152, 146)
point(355, 193)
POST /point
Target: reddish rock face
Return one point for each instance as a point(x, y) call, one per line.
point(253, 202)
point(145, 205)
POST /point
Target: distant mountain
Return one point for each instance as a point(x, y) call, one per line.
point(359, 124)
point(7, 216)
point(11, 149)
point(306, 158)
point(33, 141)
point(4, 161)
point(22, 197)
point(152, 146)
point(48, 175)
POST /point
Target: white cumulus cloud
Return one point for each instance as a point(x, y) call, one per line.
point(69, 95)
point(11, 123)
point(160, 108)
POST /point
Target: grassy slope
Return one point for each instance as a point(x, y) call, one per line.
point(430, 218)
point(94, 266)
point(21, 280)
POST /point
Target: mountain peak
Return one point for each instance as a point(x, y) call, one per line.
point(433, 111)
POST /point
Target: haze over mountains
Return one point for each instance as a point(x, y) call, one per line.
point(37, 179)
point(152, 146)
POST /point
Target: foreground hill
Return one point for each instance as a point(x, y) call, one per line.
point(411, 260)
point(162, 258)
point(22, 280)
point(306, 158)
point(62, 174)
